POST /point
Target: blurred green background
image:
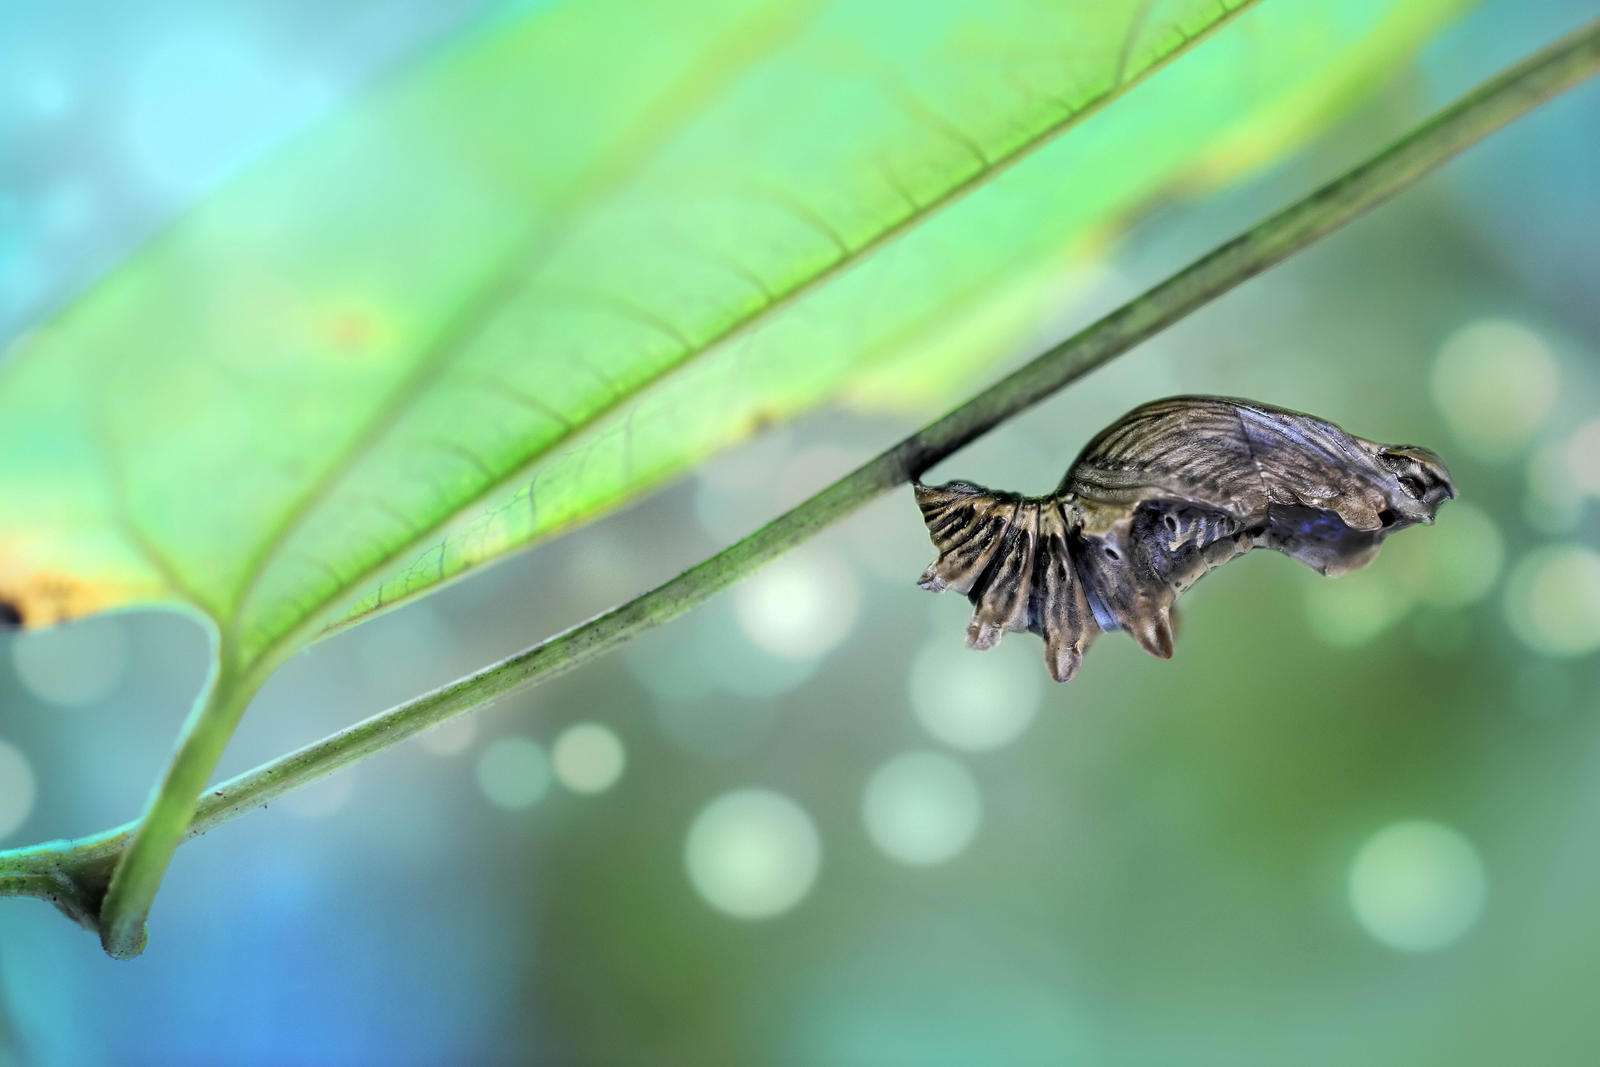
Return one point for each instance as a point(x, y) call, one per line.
point(1350, 822)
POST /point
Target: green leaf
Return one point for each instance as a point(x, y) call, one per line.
point(581, 251)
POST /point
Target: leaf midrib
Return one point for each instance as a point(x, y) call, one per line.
point(665, 121)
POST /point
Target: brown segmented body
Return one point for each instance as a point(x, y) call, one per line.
point(1168, 492)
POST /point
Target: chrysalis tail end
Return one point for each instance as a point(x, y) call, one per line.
point(967, 524)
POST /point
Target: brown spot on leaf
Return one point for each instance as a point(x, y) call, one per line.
point(35, 600)
point(350, 329)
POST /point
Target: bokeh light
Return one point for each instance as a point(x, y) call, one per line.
point(1417, 886)
point(514, 772)
point(588, 758)
point(1495, 381)
point(1553, 600)
point(1351, 610)
point(186, 140)
point(809, 470)
point(450, 738)
point(48, 94)
point(749, 467)
point(656, 662)
point(922, 808)
point(16, 789)
point(1582, 454)
point(884, 545)
point(733, 662)
point(73, 664)
point(1452, 564)
point(799, 607)
point(1550, 504)
point(975, 700)
point(710, 689)
point(416, 657)
point(322, 798)
point(753, 853)
point(734, 491)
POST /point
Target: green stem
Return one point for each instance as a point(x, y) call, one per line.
point(136, 876)
point(73, 874)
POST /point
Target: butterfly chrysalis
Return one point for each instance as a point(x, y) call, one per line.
point(1166, 493)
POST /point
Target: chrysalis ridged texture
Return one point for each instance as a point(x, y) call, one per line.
point(1166, 493)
